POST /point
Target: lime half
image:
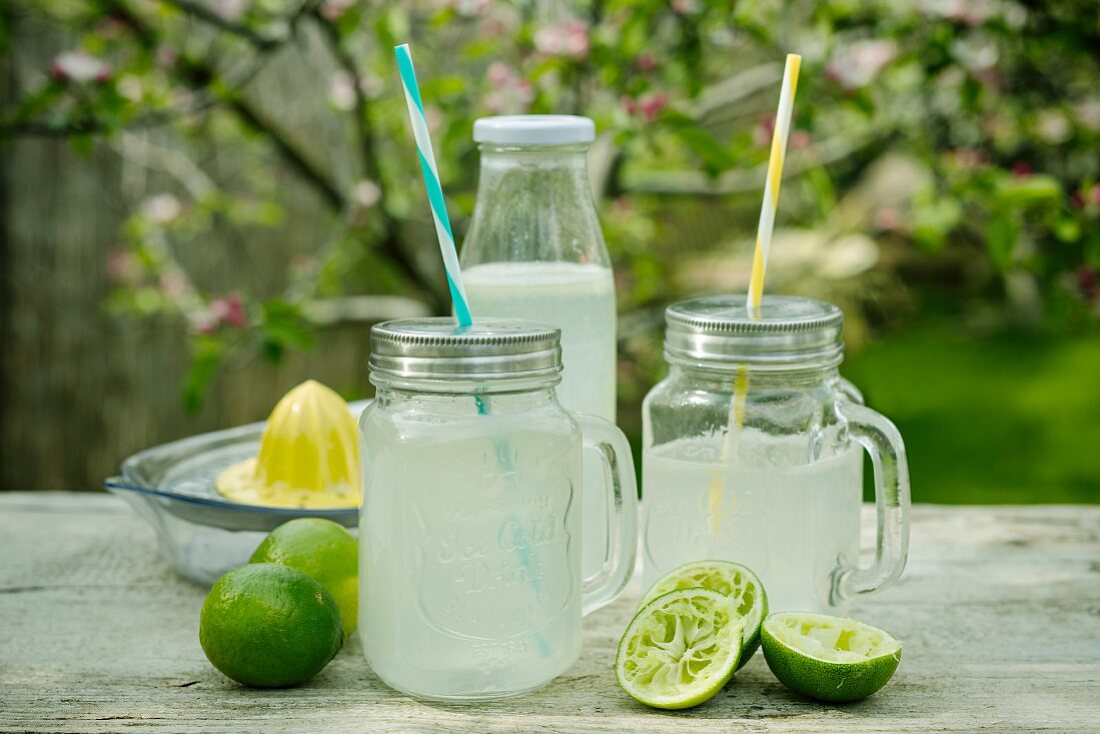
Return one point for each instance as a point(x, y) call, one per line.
point(829, 658)
point(680, 649)
point(730, 579)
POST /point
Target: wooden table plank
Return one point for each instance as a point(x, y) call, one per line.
point(999, 610)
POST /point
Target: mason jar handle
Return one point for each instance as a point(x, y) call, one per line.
point(621, 486)
point(848, 389)
point(880, 438)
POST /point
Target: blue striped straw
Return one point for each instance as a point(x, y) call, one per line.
point(431, 181)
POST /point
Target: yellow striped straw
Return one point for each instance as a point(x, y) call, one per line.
point(759, 270)
point(764, 230)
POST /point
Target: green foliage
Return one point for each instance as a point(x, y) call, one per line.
point(207, 353)
point(995, 101)
point(1008, 418)
point(283, 327)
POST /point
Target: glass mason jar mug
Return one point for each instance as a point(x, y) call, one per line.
point(752, 453)
point(470, 576)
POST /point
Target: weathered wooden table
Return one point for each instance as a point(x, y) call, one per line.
point(999, 610)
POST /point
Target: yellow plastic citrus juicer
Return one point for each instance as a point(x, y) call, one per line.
point(309, 455)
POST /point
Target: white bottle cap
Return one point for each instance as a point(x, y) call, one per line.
point(534, 130)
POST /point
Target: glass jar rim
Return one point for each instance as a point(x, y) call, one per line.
point(721, 333)
point(436, 349)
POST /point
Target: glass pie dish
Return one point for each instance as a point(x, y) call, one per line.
point(199, 532)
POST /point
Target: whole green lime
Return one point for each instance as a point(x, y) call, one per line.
point(269, 626)
point(323, 550)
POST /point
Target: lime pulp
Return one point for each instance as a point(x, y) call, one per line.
point(680, 649)
point(730, 579)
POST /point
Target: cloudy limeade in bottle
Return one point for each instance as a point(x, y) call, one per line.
point(535, 249)
point(577, 298)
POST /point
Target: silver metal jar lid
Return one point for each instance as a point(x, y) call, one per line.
point(787, 333)
point(436, 348)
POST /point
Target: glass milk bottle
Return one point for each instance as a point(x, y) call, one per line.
point(535, 250)
point(780, 493)
point(470, 580)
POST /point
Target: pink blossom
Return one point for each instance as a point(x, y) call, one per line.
point(183, 100)
point(650, 106)
point(647, 107)
point(511, 92)
point(515, 98)
point(173, 283)
point(855, 65)
point(493, 28)
point(110, 27)
point(167, 57)
point(1087, 196)
point(762, 135)
point(468, 8)
point(1088, 282)
point(499, 74)
point(796, 139)
point(989, 77)
point(80, 67)
point(335, 9)
point(646, 61)
point(231, 9)
point(969, 12)
point(887, 219)
point(229, 310)
point(685, 7)
point(568, 39)
point(970, 157)
point(622, 206)
point(1021, 169)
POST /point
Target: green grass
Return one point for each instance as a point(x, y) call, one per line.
point(1010, 419)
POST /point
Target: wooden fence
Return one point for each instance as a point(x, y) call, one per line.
point(81, 389)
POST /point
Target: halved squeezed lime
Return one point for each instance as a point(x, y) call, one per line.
point(831, 659)
point(737, 582)
point(680, 649)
